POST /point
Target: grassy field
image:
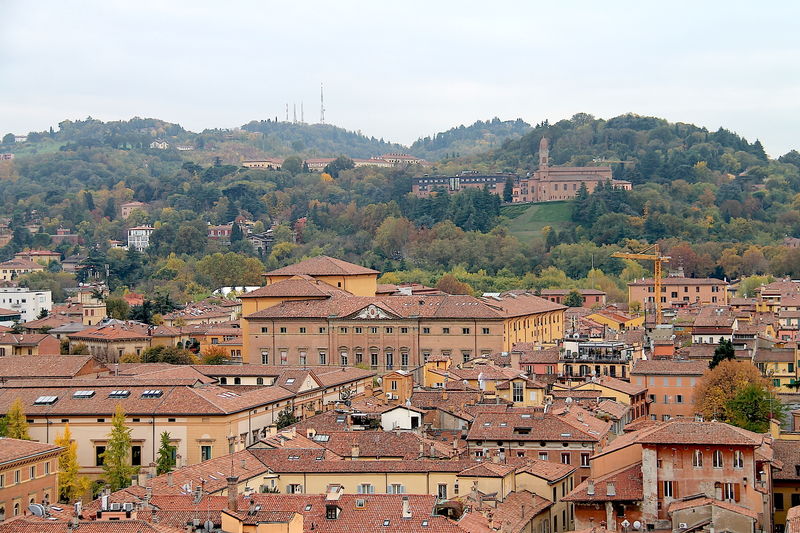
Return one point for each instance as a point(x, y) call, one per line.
point(528, 220)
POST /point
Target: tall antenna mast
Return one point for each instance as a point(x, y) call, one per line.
point(294, 113)
point(302, 115)
point(287, 112)
point(321, 105)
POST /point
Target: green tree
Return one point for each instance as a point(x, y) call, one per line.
point(573, 299)
point(236, 233)
point(116, 459)
point(508, 190)
point(9, 139)
point(723, 352)
point(166, 455)
point(71, 485)
point(16, 422)
point(286, 418)
point(753, 408)
point(338, 165)
point(449, 284)
point(292, 165)
point(118, 308)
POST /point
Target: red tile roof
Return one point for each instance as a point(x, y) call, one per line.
point(12, 450)
point(322, 265)
point(670, 367)
point(627, 483)
point(699, 502)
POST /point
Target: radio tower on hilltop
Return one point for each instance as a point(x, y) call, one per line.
point(321, 105)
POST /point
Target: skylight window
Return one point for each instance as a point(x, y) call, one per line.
point(289, 381)
point(83, 394)
point(294, 457)
point(386, 523)
point(487, 424)
point(119, 394)
point(45, 400)
point(526, 415)
point(424, 523)
point(152, 393)
point(308, 507)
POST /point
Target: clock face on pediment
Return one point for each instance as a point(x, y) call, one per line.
point(373, 312)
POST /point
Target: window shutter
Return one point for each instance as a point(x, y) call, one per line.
point(675, 494)
point(736, 492)
point(661, 491)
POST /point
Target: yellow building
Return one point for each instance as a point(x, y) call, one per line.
point(323, 311)
point(616, 320)
point(779, 365)
point(11, 270)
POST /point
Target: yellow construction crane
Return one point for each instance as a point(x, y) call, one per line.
point(651, 253)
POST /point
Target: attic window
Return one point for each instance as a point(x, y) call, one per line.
point(228, 395)
point(45, 400)
point(152, 393)
point(566, 434)
point(487, 424)
point(522, 431)
point(289, 381)
point(119, 394)
point(332, 512)
point(361, 503)
point(341, 418)
point(526, 415)
point(294, 457)
point(424, 523)
point(386, 523)
point(308, 507)
point(503, 424)
point(321, 438)
point(83, 394)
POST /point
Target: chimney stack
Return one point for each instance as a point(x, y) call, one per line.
point(590, 487)
point(170, 480)
point(355, 451)
point(406, 508)
point(233, 493)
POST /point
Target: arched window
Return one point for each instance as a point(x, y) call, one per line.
point(738, 459)
point(223, 381)
point(697, 458)
point(16, 509)
point(717, 459)
point(237, 381)
point(259, 381)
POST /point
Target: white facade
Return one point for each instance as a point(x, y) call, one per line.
point(401, 418)
point(29, 303)
point(139, 237)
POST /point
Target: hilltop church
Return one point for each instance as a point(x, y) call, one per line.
point(549, 184)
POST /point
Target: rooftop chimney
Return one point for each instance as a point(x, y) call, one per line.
point(355, 451)
point(406, 508)
point(590, 488)
point(233, 493)
point(170, 480)
point(611, 490)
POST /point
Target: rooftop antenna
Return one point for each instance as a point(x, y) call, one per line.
point(302, 114)
point(287, 112)
point(294, 113)
point(321, 105)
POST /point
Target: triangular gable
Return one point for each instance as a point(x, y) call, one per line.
point(373, 312)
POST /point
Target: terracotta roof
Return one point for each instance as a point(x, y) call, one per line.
point(488, 469)
point(548, 470)
point(520, 426)
point(514, 513)
point(520, 303)
point(774, 355)
point(23, 339)
point(27, 524)
point(627, 486)
point(16, 450)
point(322, 265)
point(20, 264)
point(386, 444)
point(617, 385)
point(53, 320)
point(546, 356)
point(678, 281)
point(677, 505)
point(112, 332)
point(38, 366)
point(295, 460)
point(788, 453)
point(688, 432)
point(615, 409)
point(671, 367)
point(299, 287)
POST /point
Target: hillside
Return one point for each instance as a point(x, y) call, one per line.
point(655, 149)
point(468, 140)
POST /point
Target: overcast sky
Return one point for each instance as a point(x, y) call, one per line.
point(401, 70)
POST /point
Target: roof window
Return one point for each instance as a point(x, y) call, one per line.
point(45, 400)
point(83, 394)
point(119, 394)
point(152, 393)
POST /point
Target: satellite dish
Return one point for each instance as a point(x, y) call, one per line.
point(36, 509)
point(379, 380)
point(209, 525)
point(637, 525)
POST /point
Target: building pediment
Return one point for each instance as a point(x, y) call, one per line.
point(373, 312)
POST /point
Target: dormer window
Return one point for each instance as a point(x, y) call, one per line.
point(332, 512)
